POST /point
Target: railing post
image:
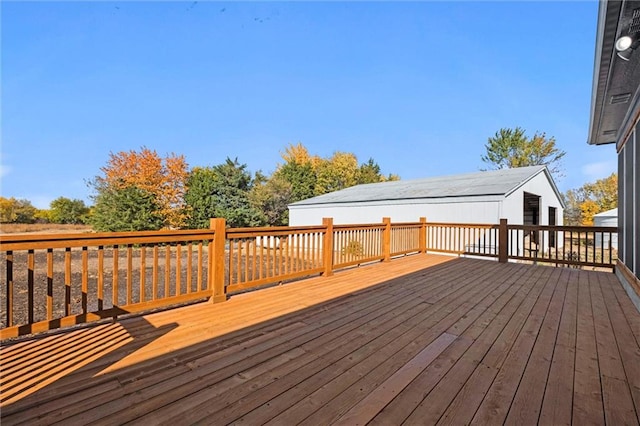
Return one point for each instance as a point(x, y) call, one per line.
point(386, 245)
point(422, 239)
point(503, 242)
point(327, 246)
point(216, 260)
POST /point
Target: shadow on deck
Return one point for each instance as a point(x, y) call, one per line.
point(422, 340)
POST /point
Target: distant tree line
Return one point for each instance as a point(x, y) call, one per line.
point(140, 190)
point(62, 210)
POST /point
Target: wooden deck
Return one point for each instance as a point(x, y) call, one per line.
point(421, 340)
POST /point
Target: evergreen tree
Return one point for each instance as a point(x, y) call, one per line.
point(221, 191)
point(125, 209)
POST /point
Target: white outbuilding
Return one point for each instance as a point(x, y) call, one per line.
point(523, 196)
point(608, 218)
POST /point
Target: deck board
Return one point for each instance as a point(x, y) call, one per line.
point(558, 395)
point(424, 339)
point(617, 401)
point(623, 333)
point(466, 403)
point(587, 395)
point(443, 315)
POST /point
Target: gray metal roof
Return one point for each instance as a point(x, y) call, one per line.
point(478, 184)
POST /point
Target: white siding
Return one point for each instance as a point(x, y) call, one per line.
point(480, 209)
point(371, 212)
point(539, 185)
point(604, 239)
point(513, 209)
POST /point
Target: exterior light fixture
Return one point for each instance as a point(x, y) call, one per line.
point(625, 46)
point(623, 43)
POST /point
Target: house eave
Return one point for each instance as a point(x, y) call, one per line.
point(615, 98)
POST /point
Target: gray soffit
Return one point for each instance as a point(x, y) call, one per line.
point(488, 184)
point(615, 81)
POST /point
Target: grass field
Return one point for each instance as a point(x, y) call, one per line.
point(42, 228)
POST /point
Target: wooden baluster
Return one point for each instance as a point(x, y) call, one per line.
point(31, 286)
point(143, 274)
point(189, 267)
point(67, 281)
point(10, 286)
point(49, 284)
point(155, 272)
point(129, 273)
point(85, 280)
point(167, 271)
point(114, 286)
point(200, 266)
point(178, 269)
point(100, 278)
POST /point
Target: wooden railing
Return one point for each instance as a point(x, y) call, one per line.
point(563, 245)
point(408, 238)
point(357, 244)
point(458, 238)
point(258, 256)
point(51, 281)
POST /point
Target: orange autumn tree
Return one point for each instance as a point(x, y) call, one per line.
point(164, 178)
point(590, 199)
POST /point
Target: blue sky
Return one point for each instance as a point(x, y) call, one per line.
point(418, 86)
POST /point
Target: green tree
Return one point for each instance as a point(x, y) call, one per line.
point(43, 216)
point(310, 175)
point(199, 196)
point(336, 173)
point(125, 209)
point(13, 210)
point(510, 148)
point(66, 210)
point(369, 172)
point(221, 191)
point(272, 197)
point(301, 177)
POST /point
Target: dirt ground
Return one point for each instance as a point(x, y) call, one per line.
point(168, 278)
point(42, 228)
point(21, 273)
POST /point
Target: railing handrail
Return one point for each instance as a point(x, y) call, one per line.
point(358, 226)
point(235, 259)
point(43, 241)
point(274, 229)
point(564, 228)
point(394, 224)
point(464, 225)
